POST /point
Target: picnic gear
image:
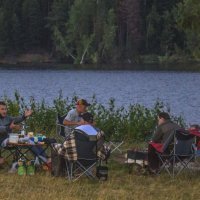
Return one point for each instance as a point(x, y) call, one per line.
point(21, 171)
point(60, 128)
point(81, 151)
point(13, 138)
point(179, 152)
point(30, 168)
point(86, 157)
point(57, 164)
point(137, 160)
point(102, 173)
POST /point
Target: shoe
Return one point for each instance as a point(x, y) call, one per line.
point(13, 169)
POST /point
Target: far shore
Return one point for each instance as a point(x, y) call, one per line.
point(149, 62)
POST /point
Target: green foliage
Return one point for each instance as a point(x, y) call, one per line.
point(187, 17)
point(100, 31)
point(32, 23)
point(135, 123)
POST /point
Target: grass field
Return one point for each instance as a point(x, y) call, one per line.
point(120, 185)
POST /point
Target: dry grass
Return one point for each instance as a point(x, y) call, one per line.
point(120, 185)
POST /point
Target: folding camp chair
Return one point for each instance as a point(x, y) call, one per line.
point(115, 145)
point(86, 157)
point(178, 154)
point(60, 128)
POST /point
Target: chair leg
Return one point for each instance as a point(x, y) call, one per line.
point(86, 171)
point(69, 168)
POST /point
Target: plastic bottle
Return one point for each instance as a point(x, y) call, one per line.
point(21, 171)
point(23, 131)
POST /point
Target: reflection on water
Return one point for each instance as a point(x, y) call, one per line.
point(179, 90)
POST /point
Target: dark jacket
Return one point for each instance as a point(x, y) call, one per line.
point(164, 131)
point(5, 123)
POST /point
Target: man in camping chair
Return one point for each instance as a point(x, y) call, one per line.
point(73, 117)
point(163, 133)
point(69, 148)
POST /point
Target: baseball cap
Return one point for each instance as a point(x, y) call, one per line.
point(82, 102)
point(88, 117)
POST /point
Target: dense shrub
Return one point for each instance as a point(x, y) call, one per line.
point(135, 123)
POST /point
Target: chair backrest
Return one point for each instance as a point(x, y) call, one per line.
point(59, 123)
point(183, 143)
point(168, 141)
point(86, 149)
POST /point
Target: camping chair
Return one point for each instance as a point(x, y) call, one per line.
point(115, 144)
point(60, 128)
point(178, 153)
point(86, 157)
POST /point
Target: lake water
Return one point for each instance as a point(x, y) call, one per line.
point(178, 89)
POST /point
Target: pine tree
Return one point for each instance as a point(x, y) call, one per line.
point(32, 21)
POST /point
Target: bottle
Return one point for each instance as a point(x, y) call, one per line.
point(23, 132)
point(21, 171)
point(30, 168)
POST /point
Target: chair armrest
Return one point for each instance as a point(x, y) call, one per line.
point(60, 125)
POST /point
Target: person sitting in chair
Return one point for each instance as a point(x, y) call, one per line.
point(165, 128)
point(73, 118)
point(87, 124)
point(8, 124)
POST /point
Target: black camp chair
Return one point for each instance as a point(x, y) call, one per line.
point(177, 153)
point(60, 128)
point(87, 157)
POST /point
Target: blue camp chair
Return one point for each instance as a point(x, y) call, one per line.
point(177, 153)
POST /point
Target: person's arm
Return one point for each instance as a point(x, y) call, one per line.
point(4, 129)
point(18, 119)
point(70, 120)
point(71, 123)
point(21, 118)
point(9, 128)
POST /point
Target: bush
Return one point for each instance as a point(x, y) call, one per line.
point(135, 123)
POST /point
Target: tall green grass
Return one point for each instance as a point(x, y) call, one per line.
point(135, 123)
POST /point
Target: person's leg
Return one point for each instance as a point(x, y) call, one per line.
point(153, 160)
point(4, 143)
point(39, 151)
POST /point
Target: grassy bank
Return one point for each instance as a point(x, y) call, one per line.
point(120, 185)
point(135, 123)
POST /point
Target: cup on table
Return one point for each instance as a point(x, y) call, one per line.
point(36, 139)
point(30, 134)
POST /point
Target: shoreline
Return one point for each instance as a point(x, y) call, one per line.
point(43, 61)
point(188, 67)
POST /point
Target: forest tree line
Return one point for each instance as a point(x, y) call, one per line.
point(100, 31)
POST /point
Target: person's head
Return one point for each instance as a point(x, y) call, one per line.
point(162, 117)
point(87, 118)
point(81, 105)
point(3, 109)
